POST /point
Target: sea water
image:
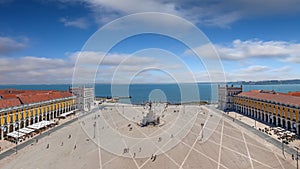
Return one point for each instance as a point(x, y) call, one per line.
point(173, 93)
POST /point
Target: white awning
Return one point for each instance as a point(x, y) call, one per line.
point(40, 124)
point(26, 130)
point(66, 113)
point(15, 134)
point(280, 129)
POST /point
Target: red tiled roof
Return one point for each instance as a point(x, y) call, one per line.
point(4, 103)
point(15, 91)
point(31, 96)
point(26, 99)
point(294, 94)
point(57, 95)
point(256, 91)
point(272, 96)
point(8, 96)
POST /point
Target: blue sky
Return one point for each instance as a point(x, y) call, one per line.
point(256, 40)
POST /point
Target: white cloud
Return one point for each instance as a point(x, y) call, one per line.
point(124, 68)
point(239, 50)
point(261, 72)
point(223, 13)
point(134, 6)
point(285, 69)
point(205, 51)
point(255, 69)
point(222, 20)
point(292, 59)
point(8, 44)
point(34, 70)
point(29, 63)
point(108, 10)
point(37, 70)
point(81, 23)
point(206, 12)
point(120, 67)
point(112, 59)
point(259, 49)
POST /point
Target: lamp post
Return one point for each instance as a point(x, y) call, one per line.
point(283, 137)
point(202, 124)
point(17, 126)
point(297, 155)
point(3, 130)
point(282, 146)
point(94, 129)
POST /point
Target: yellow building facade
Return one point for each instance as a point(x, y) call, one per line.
point(20, 116)
point(276, 109)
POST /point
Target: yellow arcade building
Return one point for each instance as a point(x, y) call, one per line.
point(276, 109)
point(20, 108)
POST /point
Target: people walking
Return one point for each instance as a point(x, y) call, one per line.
point(153, 158)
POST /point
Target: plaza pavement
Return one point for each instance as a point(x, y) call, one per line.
point(254, 125)
point(99, 140)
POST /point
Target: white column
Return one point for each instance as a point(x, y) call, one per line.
point(1, 133)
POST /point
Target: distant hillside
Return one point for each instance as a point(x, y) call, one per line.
point(268, 82)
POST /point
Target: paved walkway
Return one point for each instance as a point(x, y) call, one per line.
point(33, 140)
point(40, 136)
point(264, 136)
point(230, 146)
point(262, 125)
